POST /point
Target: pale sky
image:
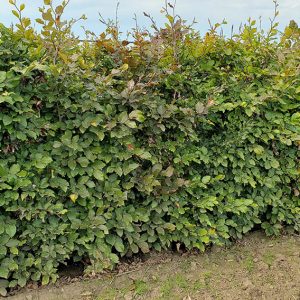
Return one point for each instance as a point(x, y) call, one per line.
point(234, 11)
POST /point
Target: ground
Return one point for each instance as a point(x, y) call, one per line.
point(256, 267)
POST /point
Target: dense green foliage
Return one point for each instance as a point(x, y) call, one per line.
point(109, 148)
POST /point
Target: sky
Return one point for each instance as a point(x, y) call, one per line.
point(234, 11)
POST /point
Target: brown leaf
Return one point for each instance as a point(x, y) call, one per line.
point(168, 172)
point(130, 147)
point(200, 108)
point(210, 102)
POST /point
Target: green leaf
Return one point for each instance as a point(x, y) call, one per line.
point(57, 144)
point(3, 250)
point(296, 118)
point(228, 51)
point(12, 265)
point(206, 179)
point(170, 18)
point(114, 258)
point(10, 229)
point(42, 161)
point(22, 281)
point(2, 76)
point(45, 279)
point(131, 124)
point(202, 232)
point(21, 136)
point(274, 164)
point(137, 115)
point(143, 246)
point(110, 239)
point(59, 9)
point(205, 239)
point(98, 175)
point(12, 243)
point(3, 291)
point(160, 230)
point(7, 120)
point(14, 250)
point(3, 171)
point(83, 161)
point(14, 169)
point(36, 276)
point(40, 21)
point(15, 13)
point(258, 149)
point(170, 226)
point(129, 168)
point(4, 283)
point(134, 248)
point(7, 99)
point(72, 164)
point(200, 246)
point(4, 272)
point(22, 174)
point(119, 245)
point(59, 183)
point(123, 117)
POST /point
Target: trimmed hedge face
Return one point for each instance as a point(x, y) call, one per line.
point(109, 149)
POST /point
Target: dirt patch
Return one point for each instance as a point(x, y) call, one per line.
point(256, 267)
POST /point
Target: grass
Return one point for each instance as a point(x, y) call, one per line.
point(249, 263)
point(222, 273)
point(269, 258)
point(141, 287)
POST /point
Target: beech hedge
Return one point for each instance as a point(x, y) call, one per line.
point(112, 147)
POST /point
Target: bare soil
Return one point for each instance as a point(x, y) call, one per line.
point(256, 267)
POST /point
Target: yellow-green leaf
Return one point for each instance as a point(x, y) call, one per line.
point(15, 13)
point(73, 197)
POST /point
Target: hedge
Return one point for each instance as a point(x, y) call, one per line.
point(112, 147)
